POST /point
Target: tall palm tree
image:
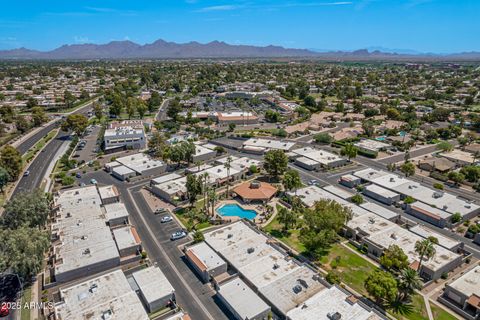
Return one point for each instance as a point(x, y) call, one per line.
point(205, 190)
point(409, 281)
point(212, 196)
point(228, 165)
point(425, 249)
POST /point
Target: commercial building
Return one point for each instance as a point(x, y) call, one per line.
point(463, 294)
point(381, 194)
point(241, 301)
point(128, 241)
point(203, 154)
point(206, 262)
point(105, 297)
point(123, 137)
point(237, 118)
point(154, 288)
point(315, 159)
point(82, 241)
point(260, 146)
point(136, 165)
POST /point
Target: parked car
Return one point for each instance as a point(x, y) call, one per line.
point(178, 235)
point(312, 182)
point(166, 219)
point(26, 173)
point(93, 181)
point(78, 175)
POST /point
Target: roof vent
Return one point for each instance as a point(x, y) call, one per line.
point(93, 288)
point(334, 315)
point(84, 237)
point(107, 315)
point(297, 289)
point(229, 236)
point(393, 236)
point(250, 250)
point(86, 251)
point(303, 283)
point(392, 179)
point(275, 266)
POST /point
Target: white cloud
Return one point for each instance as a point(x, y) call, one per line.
point(227, 7)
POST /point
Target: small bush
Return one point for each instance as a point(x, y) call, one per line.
point(332, 278)
point(444, 275)
point(438, 186)
point(409, 200)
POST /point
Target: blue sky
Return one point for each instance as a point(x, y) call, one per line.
point(439, 26)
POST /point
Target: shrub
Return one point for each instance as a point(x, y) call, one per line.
point(456, 217)
point(444, 275)
point(357, 199)
point(332, 278)
point(409, 200)
point(438, 186)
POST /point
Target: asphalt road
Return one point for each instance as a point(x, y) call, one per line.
point(38, 167)
point(30, 142)
point(192, 295)
point(162, 111)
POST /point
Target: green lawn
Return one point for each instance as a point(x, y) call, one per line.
point(290, 238)
point(439, 313)
point(352, 268)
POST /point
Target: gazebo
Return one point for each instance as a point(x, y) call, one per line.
point(255, 191)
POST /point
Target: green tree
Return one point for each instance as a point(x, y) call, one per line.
point(23, 250)
point(456, 217)
point(357, 199)
point(322, 224)
point(287, 217)
point(11, 161)
point(382, 286)
point(141, 109)
point(394, 258)
point(194, 188)
point(75, 122)
point(456, 177)
point(68, 99)
point(408, 169)
point(408, 282)
point(310, 102)
point(38, 116)
point(445, 146)
point(323, 138)
point(276, 163)
point(157, 145)
point(272, 116)
point(4, 178)
point(28, 209)
point(349, 150)
point(425, 249)
point(98, 111)
point(291, 180)
point(154, 101)
point(198, 236)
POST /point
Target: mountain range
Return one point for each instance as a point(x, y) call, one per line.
point(161, 49)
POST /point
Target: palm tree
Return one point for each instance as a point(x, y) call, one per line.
point(228, 165)
point(425, 249)
point(409, 281)
point(205, 190)
point(212, 196)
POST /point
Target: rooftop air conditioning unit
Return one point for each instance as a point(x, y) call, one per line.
point(334, 315)
point(250, 250)
point(297, 289)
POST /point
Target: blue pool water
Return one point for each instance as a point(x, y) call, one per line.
point(234, 210)
point(380, 138)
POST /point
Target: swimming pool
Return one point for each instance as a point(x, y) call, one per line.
point(234, 210)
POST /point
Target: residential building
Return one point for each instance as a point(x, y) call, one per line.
point(116, 214)
point(436, 164)
point(108, 296)
point(154, 288)
point(349, 180)
point(128, 241)
point(206, 262)
point(260, 146)
point(241, 301)
point(461, 158)
point(109, 194)
point(372, 146)
point(463, 294)
point(315, 159)
point(381, 194)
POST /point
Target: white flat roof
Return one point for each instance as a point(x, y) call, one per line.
point(342, 193)
point(328, 302)
point(153, 284)
point(115, 210)
point(140, 162)
point(371, 144)
point(125, 238)
point(165, 178)
point(444, 241)
point(201, 150)
point(206, 255)
point(469, 283)
point(381, 191)
point(123, 170)
point(379, 210)
point(106, 295)
point(242, 299)
point(107, 192)
point(317, 155)
point(268, 144)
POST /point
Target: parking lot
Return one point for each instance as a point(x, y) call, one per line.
point(89, 149)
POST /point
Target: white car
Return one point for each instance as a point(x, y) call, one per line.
point(178, 235)
point(166, 219)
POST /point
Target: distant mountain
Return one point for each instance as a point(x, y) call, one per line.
point(161, 49)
